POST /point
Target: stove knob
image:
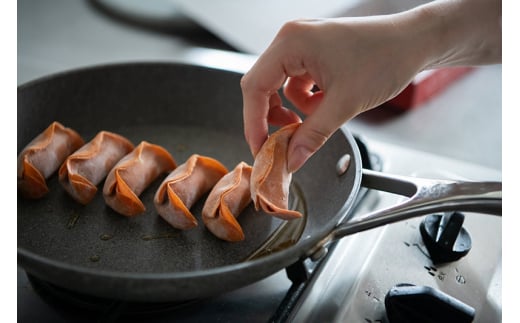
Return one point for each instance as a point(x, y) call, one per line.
point(445, 237)
point(406, 303)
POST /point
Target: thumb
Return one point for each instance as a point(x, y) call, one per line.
point(306, 140)
point(316, 129)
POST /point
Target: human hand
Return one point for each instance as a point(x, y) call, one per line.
point(357, 64)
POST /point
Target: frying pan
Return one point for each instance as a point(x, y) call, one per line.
point(192, 109)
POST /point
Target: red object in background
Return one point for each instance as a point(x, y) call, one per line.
point(426, 85)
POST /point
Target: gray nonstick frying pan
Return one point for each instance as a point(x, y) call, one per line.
point(192, 109)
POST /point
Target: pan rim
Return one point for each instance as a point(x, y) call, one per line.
point(120, 64)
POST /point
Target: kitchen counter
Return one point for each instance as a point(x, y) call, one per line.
point(463, 122)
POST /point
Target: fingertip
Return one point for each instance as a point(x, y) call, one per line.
point(297, 158)
point(254, 143)
point(298, 151)
point(306, 141)
point(255, 123)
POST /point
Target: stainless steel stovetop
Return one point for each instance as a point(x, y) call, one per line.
point(352, 285)
point(349, 285)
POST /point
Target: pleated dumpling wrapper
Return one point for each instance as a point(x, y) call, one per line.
point(228, 198)
point(83, 170)
point(183, 187)
point(43, 156)
point(270, 178)
point(133, 174)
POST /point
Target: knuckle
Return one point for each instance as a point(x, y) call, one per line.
point(245, 82)
point(295, 26)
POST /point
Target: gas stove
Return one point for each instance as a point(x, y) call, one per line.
point(362, 278)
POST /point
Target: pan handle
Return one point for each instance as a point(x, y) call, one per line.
point(425, 196)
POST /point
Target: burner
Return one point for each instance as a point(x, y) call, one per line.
point(73, 303)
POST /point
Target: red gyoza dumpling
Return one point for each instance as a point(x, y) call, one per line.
point(183, 187)
point(228, 198)
point(87, 167)
point(43, 156)
point(133, 174)
point(270, 178)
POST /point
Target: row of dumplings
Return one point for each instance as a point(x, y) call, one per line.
point(128, 170)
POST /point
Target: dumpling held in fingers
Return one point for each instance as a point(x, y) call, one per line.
point(133, 174)
point(183, 187)
point(230, 196)
point(270, 178)
point(87, 167)
point(43, 156)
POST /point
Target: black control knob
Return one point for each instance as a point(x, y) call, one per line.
point(445, 237)
point(406, 303)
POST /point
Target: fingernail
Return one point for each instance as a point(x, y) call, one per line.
point(297, 158)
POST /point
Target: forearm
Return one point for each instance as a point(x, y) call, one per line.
point(457, 32)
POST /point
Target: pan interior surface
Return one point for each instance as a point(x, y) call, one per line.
point(186, 109)
point(96, 236)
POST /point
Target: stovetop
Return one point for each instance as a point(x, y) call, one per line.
point(353, 284)
point(349, 285)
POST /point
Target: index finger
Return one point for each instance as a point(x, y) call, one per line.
point(255, 110)
point(258, 85)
